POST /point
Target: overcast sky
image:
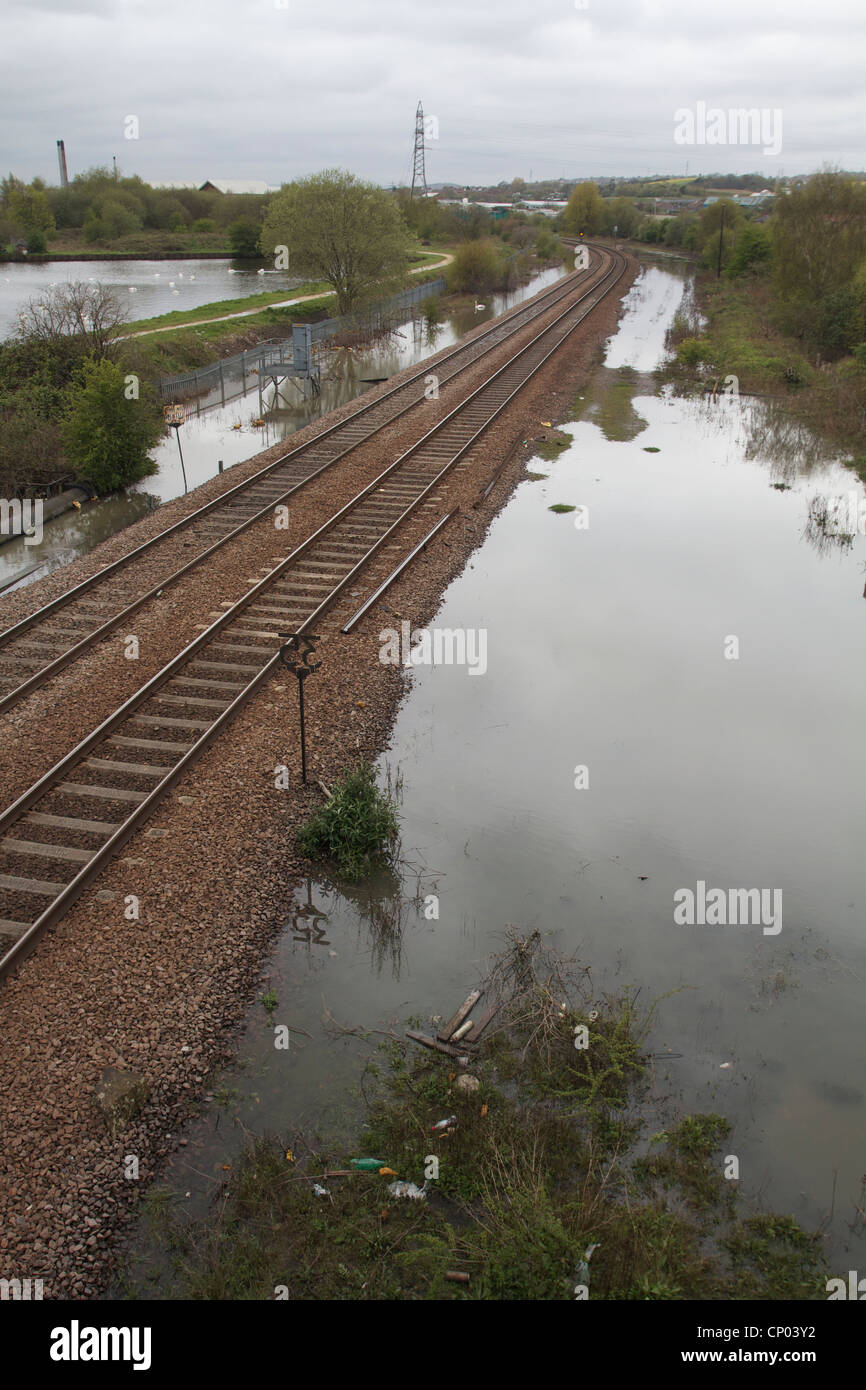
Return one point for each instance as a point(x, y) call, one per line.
point(274, 89)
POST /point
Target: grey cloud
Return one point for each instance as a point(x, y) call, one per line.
point(240, 88)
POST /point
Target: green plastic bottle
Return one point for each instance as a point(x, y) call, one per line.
point(367, 1165)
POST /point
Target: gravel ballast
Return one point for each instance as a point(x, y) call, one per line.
point(215, 867)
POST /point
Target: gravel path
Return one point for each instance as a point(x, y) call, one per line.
point(281, 304)
point(213, 871)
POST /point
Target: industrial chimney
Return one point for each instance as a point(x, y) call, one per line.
point(61, 160)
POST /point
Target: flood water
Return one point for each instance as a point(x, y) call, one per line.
point(606, 649)
point(145, 288)
point(229, 434)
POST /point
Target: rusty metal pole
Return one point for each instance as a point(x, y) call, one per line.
point(295, 657)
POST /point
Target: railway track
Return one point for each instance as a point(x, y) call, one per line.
point(38, 647)
point(59, 835)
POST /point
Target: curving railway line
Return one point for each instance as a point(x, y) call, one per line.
point(41, 645)
point(58, 836)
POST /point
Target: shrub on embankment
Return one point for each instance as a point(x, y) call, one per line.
point(480, 267)
point(67, 405)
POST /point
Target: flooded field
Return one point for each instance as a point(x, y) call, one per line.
point(673, 696)
point(229, 434)
point(145, 288)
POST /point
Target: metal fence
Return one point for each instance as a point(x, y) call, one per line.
point(233, 376)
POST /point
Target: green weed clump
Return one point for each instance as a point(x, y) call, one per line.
point(534, 1192)
point(552, 447)
point(357, 828)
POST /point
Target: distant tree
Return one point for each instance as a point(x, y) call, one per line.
point(338, 229)
point(9, 187)
point(584, 211)
point(718, 226)
point(819, 236)
point(109, 218)
point(30, 211)
point(547, 244)
point(682, 230)
point(89, 315)
point(723, 211)
point(107, 434)
point(839, 323)
point(472, 222)
point(478, 266)
point(752, 249)
point(622, 214)
point(244, 239)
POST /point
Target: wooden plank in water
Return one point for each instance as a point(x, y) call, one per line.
point(453, 1023)
point(437, 1046)
point(487, 1017)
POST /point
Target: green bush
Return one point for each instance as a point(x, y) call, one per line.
point(204, 225)
point(547, 245)
point(357, 828)
point(753, 249)
point(692, 352)
point(478, 266)
point(244, 239)
point(107, 434)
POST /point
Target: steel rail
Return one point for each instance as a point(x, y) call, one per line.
point(499, 331)
point(213, 726)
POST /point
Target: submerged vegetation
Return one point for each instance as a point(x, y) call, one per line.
point(543, 1184)
point(357, 828)
point(786, 317)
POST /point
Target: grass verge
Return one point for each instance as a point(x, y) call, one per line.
point(738, 339)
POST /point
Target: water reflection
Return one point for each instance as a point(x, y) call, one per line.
point(826, 521)
point(730, 772)
point(73, 534)
point(146, 289)
point(243, 428)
